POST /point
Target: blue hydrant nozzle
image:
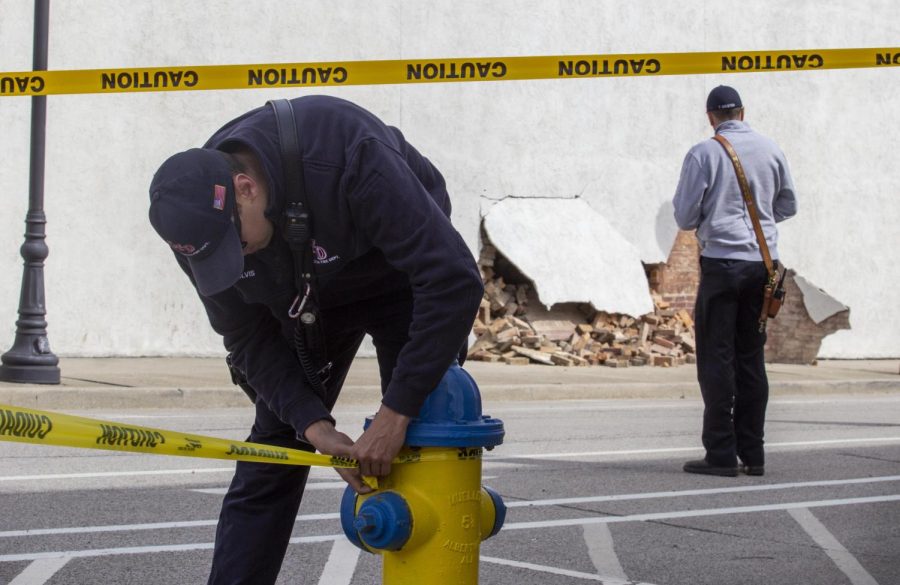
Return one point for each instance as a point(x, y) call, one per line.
point(383, 522)
point(365, 521)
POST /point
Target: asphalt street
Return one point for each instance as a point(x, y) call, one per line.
point(594, 488)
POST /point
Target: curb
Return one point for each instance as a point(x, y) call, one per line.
point(93, 397)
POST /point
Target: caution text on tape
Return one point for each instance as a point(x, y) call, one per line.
point(39, 427)
point(337, 73)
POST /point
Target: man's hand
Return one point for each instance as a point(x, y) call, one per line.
point(381, 442)
point(328, 440)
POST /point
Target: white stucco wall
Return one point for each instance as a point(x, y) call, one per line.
point(112, 288)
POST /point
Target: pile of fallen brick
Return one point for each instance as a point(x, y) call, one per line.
point(507, 330)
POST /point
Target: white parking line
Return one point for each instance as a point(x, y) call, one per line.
point(845, 561)
point(107, 528)
point(508, 526)
point(655, 451)
point(137, 527)
point(697, 513)
point(312, 486)
point(39, 572)
point(96, 474)
point(703, 492)
point(563, 572)
point(546, 406)
point(514, 504)
point(602, 551)
point(489, 460)
point(341, 563)
point(143, 550)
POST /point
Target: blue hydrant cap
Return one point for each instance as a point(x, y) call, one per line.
point(451, 416)
point(383, 521)
point(348, 517)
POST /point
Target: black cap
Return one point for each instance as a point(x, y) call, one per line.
point(723, 98)
point(191, 208)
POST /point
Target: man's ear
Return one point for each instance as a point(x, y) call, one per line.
point(245, 187)
point(712, 121)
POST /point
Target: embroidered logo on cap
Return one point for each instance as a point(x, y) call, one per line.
point(219, 197)
point(187, 249)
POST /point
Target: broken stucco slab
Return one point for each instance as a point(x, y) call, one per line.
point(571, 253)
point(819, 304)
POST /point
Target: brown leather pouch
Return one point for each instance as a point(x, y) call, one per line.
point(777, 298)
point(775, 304)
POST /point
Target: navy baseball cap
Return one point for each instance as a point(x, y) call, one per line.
point(723, 98)
point(191, 208)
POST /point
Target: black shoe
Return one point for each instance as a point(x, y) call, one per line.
point(702, 467)
point(753, 469)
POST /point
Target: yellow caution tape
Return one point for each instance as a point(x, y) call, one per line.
point(338, 73)
point(39, 427)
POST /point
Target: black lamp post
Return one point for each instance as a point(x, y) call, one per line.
point(30, 359)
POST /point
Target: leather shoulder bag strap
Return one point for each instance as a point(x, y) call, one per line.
point(760, 236)
point(748, 200)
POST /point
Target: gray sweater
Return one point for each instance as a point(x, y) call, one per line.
point(708, 197)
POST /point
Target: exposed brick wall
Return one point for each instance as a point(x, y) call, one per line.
point(792, 338)
point(678, 278)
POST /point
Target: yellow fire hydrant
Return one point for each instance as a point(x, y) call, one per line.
point(429, 516)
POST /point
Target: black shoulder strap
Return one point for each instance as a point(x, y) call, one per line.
point(289, 143)
point(297, 230)
point(297, 226)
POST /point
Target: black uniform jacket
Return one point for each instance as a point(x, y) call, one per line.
point(380, 223)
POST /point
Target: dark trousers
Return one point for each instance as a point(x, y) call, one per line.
point(259, 510)
point(730, 362)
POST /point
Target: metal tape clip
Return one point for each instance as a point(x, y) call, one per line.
point(298, 304)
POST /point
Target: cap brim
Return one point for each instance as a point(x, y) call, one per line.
point(222, 268)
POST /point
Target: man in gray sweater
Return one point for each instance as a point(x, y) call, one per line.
point(730, 361)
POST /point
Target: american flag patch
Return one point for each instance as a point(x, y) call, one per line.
point(219, 197)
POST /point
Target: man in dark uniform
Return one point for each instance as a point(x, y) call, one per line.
point(385, 261)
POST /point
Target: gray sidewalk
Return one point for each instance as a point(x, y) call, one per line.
point(90, 383)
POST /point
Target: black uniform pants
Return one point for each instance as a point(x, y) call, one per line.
point(730, 362)
point(259, 510)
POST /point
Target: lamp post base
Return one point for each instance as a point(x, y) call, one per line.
point(29, 374)
point(29, 369)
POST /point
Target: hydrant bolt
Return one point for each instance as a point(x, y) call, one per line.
point(365, 522)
